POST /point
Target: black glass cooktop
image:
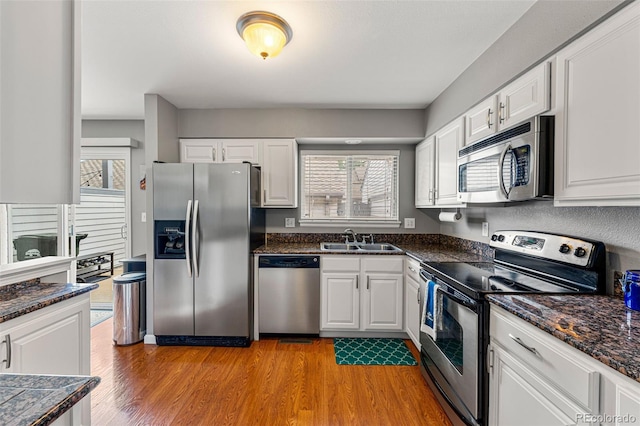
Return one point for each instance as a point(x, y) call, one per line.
point(488, 277)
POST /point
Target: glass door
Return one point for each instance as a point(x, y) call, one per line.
point(101, 220)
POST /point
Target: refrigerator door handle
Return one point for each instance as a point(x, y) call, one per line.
point(187, 239)
point(195, 238)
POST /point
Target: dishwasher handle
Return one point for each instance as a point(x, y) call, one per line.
point(285, 261)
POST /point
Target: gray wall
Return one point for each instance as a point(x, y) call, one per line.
point(265, 123)
point(127, 129)
point(547, 26)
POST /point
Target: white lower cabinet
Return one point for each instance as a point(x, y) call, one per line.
point(52, 340)
point(412, 300)
point(361, 293)
point(536, 379)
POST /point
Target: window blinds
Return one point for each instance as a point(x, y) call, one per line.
point(362, 186)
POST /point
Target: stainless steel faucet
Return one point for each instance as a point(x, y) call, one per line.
point(351, 232)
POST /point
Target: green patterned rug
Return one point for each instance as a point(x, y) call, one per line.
point(370, 351)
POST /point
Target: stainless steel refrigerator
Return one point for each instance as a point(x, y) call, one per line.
point(207, 221)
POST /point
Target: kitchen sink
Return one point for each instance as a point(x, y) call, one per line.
point(359, 247)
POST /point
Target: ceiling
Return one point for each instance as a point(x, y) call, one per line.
point(344, 54)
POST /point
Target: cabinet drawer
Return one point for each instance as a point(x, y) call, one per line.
point(412, 268)
point(340, 263)
point(546, 357)
point(382, 263)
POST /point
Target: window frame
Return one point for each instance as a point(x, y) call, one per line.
point(370, 223)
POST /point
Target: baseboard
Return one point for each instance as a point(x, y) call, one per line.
point(150, 339)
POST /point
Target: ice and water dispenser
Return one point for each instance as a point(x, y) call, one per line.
point(169, 239)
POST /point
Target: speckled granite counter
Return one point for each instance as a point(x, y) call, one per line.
point(600, 326)
point(424, 248)
point(22, 298)
point(38, 400)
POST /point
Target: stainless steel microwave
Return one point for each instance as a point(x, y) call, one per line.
point(513, 165)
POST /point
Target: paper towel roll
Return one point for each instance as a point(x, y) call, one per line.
point(449, 216)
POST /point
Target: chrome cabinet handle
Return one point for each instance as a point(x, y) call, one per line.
point(187, 237)
point(524, 345)
point(489, 124)
point(214, 154)
point(7, 340)
point(357, 276)
point(501, 113)
point(368, 282)
point(430, 195)
point(264, 196)
point(223, 155)
point(411, 269)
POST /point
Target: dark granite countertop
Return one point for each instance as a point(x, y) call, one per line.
point(600, 326)
point(21, 298)
point(28, 399)
point(420, 252)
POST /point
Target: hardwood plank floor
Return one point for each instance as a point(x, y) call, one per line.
point(270, 383)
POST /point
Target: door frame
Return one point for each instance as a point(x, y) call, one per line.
point(113, 153)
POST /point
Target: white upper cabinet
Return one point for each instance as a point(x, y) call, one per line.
point(280, 173)
point(597, 137)
point(425, 177)
point(40, 102)
point(220, 151)
point(437, 169)
point(527, 96)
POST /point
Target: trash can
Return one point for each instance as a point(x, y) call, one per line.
point(129, 308)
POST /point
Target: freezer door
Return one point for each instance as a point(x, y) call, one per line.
point(172, 189)
point(222, 287)
point(172, 287)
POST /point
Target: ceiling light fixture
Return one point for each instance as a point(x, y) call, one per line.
point(265, 33)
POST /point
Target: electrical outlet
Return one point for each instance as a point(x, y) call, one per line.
point(143, 217)
point(485, 229)
point(290, 222)
point(409, 222)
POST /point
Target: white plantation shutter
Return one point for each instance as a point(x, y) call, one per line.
point(350, 186)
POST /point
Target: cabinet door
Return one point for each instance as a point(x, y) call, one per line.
point(382, 303)
point(481, 120)
point(448, 141)
point(425, 161)
point(526, 97)
point(279, 173)
point(237, 151)
point(597, 132)
point(412, 309)
point(340, 301)
point(198, 151)
point(40, 102)
point(515, 399)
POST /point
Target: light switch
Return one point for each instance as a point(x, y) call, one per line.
point(409, 222)
point(485, 229)
point(143, 217)
point(289, 222)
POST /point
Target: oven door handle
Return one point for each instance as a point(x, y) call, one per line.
point(456, 296)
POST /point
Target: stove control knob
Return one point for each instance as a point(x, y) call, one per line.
point(494, 237)
point(565, 248)
point(501, 238)
point(580, 252)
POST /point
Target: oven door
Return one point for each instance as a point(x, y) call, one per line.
point(451, 360)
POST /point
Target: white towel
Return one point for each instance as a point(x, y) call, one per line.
point(431, 311)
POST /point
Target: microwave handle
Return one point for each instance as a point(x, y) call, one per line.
point(503, 189)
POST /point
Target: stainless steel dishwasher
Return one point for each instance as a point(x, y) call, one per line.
point(289, 294)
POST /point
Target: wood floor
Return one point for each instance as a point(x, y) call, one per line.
point(270, 383)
